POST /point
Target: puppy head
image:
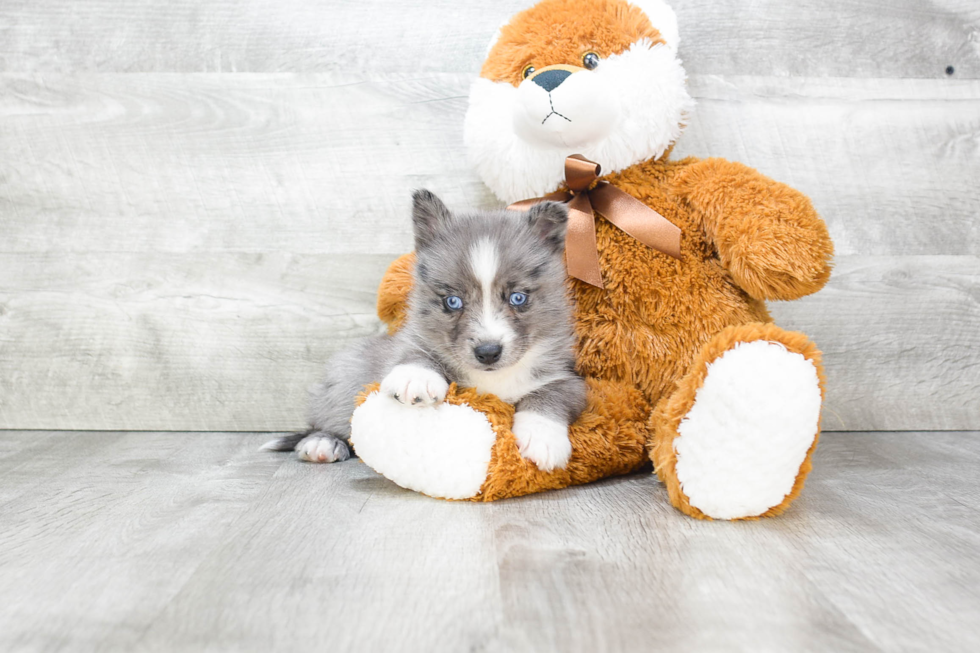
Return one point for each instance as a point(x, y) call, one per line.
point(488, 285)
point(595, 77)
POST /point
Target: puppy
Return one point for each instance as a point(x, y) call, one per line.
point(488, 310)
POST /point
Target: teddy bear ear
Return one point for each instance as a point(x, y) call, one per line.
point(663, 18)
point(659, 12)
point(493, 41)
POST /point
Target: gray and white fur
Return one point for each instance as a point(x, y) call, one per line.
point(488, 309)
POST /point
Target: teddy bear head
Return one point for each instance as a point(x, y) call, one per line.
point(594, 77)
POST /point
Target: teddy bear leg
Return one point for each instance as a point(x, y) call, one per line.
point(465, 448)
point(735, 439)
point(443, 451)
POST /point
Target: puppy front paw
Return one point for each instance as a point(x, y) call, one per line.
point(320, 448)
point(542, 440)
point(414, 385)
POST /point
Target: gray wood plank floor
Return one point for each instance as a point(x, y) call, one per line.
point(192, 541)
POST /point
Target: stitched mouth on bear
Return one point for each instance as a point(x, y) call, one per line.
point(574, 114)
point(551, 103)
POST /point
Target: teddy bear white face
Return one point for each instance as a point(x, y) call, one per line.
point(591, 77)
point(560, 106)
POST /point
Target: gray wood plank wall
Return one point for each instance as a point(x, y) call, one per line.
point(197, 199)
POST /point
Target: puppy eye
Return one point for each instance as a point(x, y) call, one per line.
point(518, 299)
point(453, 303)
point(590, 60)
point(527, 72)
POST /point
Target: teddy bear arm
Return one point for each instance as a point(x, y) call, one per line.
point(767, 234)
point(393, 292)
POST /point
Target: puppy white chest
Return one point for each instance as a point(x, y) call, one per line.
point(511, 383)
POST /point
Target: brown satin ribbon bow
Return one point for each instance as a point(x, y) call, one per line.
point(626, 212)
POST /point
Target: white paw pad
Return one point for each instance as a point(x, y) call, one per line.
point(542, 440)
point(322, 449)
point(414, 385)
point(753, 420)
point(442, 452)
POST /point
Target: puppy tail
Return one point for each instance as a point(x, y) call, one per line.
point(285, 443)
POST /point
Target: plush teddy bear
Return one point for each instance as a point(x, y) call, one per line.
point(683, 363)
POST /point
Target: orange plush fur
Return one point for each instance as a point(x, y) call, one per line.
point(646, 339)
point(563, 34)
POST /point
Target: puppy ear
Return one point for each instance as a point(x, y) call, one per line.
point(549, 220)
point(429, 215)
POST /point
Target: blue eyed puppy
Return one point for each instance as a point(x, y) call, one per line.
point(488, 310)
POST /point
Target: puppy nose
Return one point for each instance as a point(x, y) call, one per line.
point(549, 80)
point(488, 354)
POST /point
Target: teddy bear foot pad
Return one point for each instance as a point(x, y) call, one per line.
point(741, 445)
point(441, 451)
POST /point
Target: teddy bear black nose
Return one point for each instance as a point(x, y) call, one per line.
point(549, 80)
point(488, 354)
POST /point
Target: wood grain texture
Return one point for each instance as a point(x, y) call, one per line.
point(900, 339)
point(890, 164)
point(207, 342)
point(197, 199)
point(172, 257)
point(258, 163)
point(326, 163)
point(181, 542)
point(108, 527)
point(175, 342)
point(835, 38)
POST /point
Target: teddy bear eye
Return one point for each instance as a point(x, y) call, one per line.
point(590, 60)
point(527, 72)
